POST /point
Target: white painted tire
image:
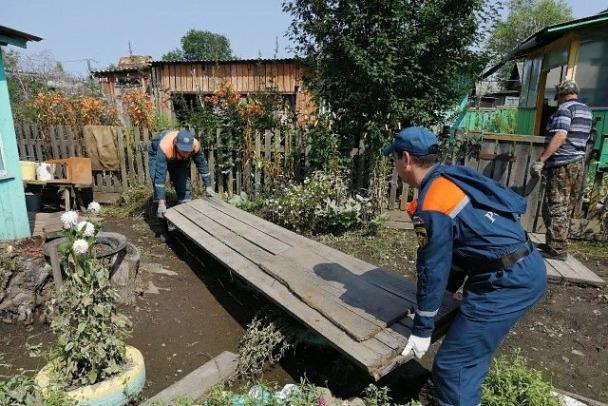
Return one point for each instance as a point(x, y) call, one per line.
point(113, 392)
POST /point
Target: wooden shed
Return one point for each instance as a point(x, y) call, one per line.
point(167, 81)
point(13, 214)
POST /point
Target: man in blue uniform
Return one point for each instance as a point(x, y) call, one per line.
point(467, 228)
point(172, 151)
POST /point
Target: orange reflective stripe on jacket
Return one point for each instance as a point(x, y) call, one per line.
point(444, 196)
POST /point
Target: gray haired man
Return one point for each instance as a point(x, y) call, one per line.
point(562, 162)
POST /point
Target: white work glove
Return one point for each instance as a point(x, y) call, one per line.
point(209, 191)
point(536, 169)
point(160, 212)
point(420, 345)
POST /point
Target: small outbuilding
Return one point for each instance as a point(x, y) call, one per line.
point(13, 213)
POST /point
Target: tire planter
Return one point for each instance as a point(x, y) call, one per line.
point(116, 242)
point(116, 391)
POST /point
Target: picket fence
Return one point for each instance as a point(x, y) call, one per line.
point(278, 155)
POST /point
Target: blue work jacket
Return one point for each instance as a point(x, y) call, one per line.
point(161, 154)
point(463, 220)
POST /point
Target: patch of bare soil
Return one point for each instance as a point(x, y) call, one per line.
point(190, 309)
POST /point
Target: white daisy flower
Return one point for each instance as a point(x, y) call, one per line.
point(94, 207)
point(87, 228)
point(80, 246)
point(69, 219)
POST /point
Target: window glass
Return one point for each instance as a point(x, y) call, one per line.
point(531, 77)
point(592, 69)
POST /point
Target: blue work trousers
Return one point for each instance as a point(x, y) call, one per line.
point(492, 304)
point(179, 174)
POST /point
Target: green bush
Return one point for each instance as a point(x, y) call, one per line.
point(512, 382)
point(320, 204)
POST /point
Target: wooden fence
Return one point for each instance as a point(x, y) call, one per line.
point(276, 155)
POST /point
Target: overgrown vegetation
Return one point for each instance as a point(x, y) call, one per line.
point(512, 382)
point(21, 390)
point(321, 204)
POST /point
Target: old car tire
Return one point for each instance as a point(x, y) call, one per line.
point(116, 391)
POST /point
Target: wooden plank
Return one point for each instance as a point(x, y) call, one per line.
point(38, 136)
point(486, 167)
point(501, 164)
point(139, 159)
point(257, 160)
point(231, 240)
point(579, 273)
point(529, 217)
point(267, 157)
point(195, 384)
point(130, 146)
point(55, 150)
point(146, 171)
point(264, 241)
point(348, 300)
point(359, 352)
point(395, 284)
point(121, 156)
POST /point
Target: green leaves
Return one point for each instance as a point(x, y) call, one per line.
point(201, 46)
point(385, 64)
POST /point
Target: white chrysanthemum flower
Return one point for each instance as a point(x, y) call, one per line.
point(94, 207)
point(69, 219)
point(80, 246)
point(87, 228)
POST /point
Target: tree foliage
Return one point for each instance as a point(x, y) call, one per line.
point(525, 17)
point(381, 64)
point(201, 46)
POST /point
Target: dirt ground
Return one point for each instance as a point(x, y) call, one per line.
point(191, 309)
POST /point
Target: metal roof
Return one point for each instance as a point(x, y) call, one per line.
point(13, 37)
point(546, 36)
point(160, 63)
point(257, 60)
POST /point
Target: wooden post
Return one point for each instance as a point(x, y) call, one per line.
point(56, 265)
point(393, 190)
point(257, 159)
point(220, 175)
point(121, 157)
point(146, 170)
point(267, 157)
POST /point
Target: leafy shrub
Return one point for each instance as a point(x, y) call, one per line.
point(320, 204)
point(512, 382)
point(22, 390)
point(84, 316)
point(243, 202)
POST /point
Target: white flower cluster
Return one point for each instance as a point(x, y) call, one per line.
point(94, 207)
point(87, 228)
point(69, 219)
point(80, 246)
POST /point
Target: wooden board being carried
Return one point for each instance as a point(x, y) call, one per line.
point(355, 305)
point(360, 309)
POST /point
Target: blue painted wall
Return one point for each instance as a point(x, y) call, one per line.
point(13, 214)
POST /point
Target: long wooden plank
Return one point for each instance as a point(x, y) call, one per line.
point(224, 235)
point(351, 302)
point(364, 354)
point(264, 241)
point(395, 284)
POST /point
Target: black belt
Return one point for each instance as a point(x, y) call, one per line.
point(506, 261)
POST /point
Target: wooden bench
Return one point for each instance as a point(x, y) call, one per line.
point(363, 311)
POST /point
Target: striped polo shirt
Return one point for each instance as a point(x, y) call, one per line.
point(576, 119)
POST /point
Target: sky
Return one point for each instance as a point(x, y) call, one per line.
point(75, 31)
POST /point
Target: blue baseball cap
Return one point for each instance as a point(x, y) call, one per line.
point(185, 141)
point(415, 140)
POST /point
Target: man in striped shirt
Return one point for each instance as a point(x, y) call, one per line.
point(568, 132)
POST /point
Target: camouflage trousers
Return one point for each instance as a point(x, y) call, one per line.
point(562, 189)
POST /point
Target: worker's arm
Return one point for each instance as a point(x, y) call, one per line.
point(203, 168)
point(557, 140)
point(560, 125)
point(433, 266)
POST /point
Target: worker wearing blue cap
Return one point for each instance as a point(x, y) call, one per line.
point(467, 229)
point(172, 151)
